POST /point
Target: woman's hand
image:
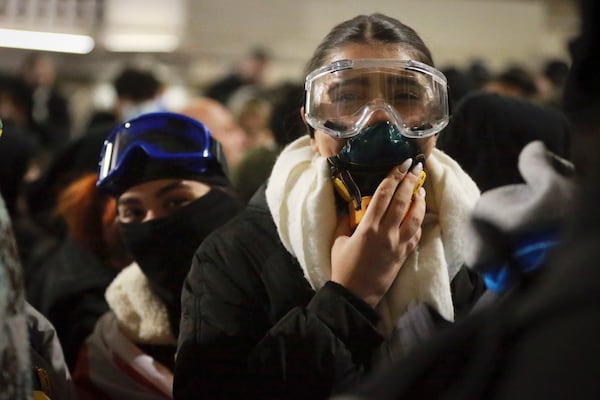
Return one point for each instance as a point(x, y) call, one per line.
point(367, 260)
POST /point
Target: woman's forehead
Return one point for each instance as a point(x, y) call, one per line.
point(157, 187)
point(357, 50)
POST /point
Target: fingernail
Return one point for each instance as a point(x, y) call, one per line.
point(403, 168)
point(422, 192)
point(417, 169)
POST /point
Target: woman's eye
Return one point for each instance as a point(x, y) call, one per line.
point(176, 202)
point(406, 96)
point(347, 97)
point(129, 214)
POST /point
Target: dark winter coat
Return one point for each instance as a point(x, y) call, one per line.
point(68, 288)
point(252, 326)
point(538, 342)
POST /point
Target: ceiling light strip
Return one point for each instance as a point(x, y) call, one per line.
point(46, 41)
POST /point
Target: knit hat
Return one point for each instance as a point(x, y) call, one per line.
point(487, 132)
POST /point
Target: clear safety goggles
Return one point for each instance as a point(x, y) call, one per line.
point(342, 97)
point(165, 137)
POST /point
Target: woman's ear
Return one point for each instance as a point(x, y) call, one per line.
point(314, 145)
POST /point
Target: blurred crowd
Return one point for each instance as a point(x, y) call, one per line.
point(251, 119)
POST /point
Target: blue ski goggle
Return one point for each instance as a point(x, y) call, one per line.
point(170, 139)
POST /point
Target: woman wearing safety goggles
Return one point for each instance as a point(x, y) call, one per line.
point(341, 262)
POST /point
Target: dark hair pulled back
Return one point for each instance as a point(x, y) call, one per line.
point(370, 29)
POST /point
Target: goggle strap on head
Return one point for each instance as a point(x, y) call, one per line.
point(163, 138)
point(217, 150)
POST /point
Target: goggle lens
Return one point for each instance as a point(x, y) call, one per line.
point(340, 98)
point(161, 136)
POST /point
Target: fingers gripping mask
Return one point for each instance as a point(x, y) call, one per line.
point(366, 159)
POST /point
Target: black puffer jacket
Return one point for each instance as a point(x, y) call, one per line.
point(68, 288)
point(252, 326)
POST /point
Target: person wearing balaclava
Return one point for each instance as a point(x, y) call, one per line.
point(168, 176)
point(341, 263)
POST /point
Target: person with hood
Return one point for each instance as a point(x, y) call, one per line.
point(487, 132)
point(166, 173)
point(341, 263)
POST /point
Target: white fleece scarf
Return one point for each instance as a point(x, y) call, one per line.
point(300, 197)
point(141, 315)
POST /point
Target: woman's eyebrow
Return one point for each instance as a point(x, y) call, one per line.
point(171, 186)
point(362, 81)
point(128, 201)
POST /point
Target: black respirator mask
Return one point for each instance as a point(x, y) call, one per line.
point(366, 159)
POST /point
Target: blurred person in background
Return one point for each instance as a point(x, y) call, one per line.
point(487, 132)
point(479, 73)
point(22, 157)
point(246, 79)
point(460, 84)
point(514, 80)
point(253, 117)
point(223, 126)
point(138, 90)
point(50, 114)
point(66, 283)
point(166, 174)
point(285, 125)
point(19, 145)
point(551, 81)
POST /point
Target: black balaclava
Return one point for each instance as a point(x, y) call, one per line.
point(164, 247)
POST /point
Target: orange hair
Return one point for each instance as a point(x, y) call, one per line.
point(87, 212)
